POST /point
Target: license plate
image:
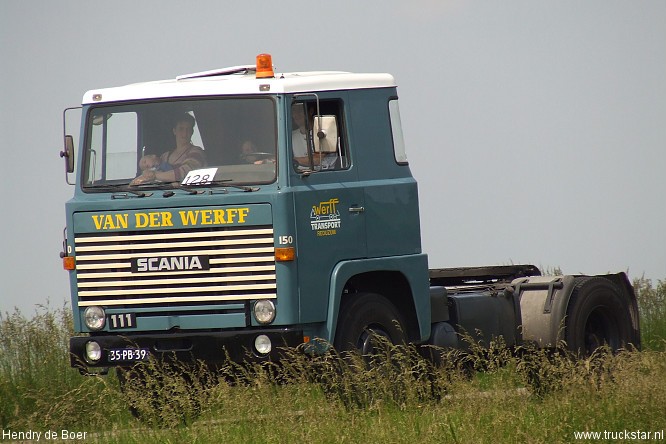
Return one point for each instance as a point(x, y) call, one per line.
point(128, 354)
point(122, 320)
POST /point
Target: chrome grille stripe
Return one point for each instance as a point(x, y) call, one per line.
point(234, 260)
point(209, 252)
point(178, 281)
point(151, 246)
point(172, 300)
point(175, 235)
point(162, 273)
point(126, 292)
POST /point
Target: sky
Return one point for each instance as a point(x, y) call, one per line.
point(536, 129)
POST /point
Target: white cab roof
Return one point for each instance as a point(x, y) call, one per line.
point(237, 81)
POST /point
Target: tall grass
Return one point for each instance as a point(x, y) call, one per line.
point(652, 310)
point(483, 395)
point(37, 385)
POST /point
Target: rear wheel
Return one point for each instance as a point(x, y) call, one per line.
point(365, 317)
point(598, 314)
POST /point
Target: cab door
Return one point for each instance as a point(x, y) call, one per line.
point(329, 211)
point(330, 226)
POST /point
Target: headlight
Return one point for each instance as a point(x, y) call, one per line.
point(262, 344)
point(94, 318)
point(264, 311)
point(93, 351)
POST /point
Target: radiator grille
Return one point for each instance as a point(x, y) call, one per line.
point(241, 261)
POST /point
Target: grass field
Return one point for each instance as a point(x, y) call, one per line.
point(484, 396)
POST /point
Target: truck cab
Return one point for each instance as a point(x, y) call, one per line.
point(258, 246)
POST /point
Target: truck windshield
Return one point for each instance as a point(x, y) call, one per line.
point(152, 143)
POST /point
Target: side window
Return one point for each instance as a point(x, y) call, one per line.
point(113, 142)
point(396, 131)
point(318, 138)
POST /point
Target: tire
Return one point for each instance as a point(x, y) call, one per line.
point(363, 317)
point(598, 314)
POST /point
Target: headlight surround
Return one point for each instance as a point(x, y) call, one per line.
point(94, 318)
point(264, 311)
point(93, 351)
point(262, 344)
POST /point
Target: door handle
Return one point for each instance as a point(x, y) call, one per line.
point(356, 209)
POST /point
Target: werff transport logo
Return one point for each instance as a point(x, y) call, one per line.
point(325, 217)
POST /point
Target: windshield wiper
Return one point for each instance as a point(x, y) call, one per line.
point(122, 187)
point(223, 182)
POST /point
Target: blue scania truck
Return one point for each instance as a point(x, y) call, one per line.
point(297, 222)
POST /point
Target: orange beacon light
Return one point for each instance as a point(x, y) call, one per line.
point(265, 66)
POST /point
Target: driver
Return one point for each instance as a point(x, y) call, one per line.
point(250, 154)
point(176, 163)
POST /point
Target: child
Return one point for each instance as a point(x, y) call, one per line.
point(153, 162)
point(150, 162)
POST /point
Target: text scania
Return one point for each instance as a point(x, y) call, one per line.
point(157, 219)
point(175, 263)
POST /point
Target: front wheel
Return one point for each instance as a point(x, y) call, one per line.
point(363, 318)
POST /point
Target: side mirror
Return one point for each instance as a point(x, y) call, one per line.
point(68, 154)
point(326, 134)
point(71, 118)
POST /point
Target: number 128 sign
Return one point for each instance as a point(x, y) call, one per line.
point(202, 176)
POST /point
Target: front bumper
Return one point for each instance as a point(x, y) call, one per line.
point(210, 347)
